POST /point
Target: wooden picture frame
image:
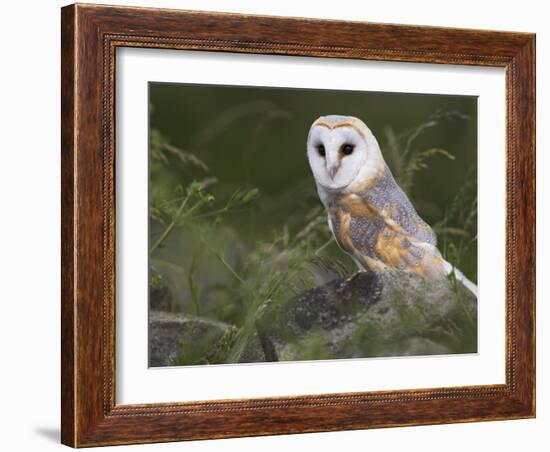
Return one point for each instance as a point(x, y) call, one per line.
point(90, 36)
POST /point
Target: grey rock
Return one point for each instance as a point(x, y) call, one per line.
point(372, 315)
point(176, 339)
point(365, 315)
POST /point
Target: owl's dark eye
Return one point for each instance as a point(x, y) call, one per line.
point(347, 149)
point(321, 150)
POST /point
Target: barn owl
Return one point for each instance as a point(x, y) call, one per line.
point(370, 216)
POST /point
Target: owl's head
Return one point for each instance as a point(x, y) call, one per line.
point(342, 152)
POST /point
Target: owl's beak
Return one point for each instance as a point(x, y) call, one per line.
point(333, 170)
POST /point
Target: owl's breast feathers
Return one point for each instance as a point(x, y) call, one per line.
point(380, 228)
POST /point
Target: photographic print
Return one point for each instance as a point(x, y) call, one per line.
point(301, 224)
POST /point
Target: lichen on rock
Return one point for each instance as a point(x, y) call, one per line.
point(373, 315)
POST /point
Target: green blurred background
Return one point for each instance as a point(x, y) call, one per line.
point(244, 147)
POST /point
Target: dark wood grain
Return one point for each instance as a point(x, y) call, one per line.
point(90, 36)
point(68, 310)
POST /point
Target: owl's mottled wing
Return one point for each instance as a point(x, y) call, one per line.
point(381, 237)
point(391, 202)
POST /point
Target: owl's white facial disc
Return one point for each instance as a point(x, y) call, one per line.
point(336, 155)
